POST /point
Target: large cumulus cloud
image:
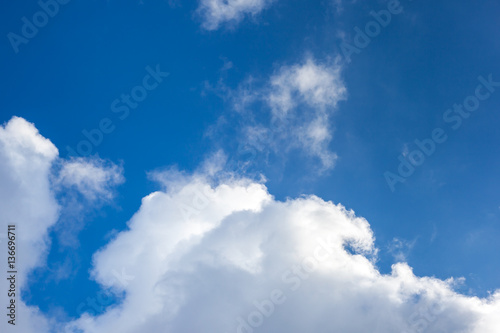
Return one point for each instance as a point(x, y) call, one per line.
point(221, 254)
point(228, 257)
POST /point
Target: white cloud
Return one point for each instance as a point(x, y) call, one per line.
point(202, 256)
point(83, 185)
point(301, 100)
point(319, 86)
point(314, 138)
point(93, 178)
point(401, 248)
point(25, 195)
point(28, 200)
point(217, 12)
point(207, 257)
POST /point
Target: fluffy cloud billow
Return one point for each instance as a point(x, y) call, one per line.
point(228, 257)
point(29, 165)
point(221, 254)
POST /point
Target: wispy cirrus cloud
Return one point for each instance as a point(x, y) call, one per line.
point(93, 177)
point(218, 12)
point(290, 110)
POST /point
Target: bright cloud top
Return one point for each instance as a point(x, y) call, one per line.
point(217, 12)
point(225, 256)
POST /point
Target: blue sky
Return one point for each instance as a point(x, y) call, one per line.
point(262, 90)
